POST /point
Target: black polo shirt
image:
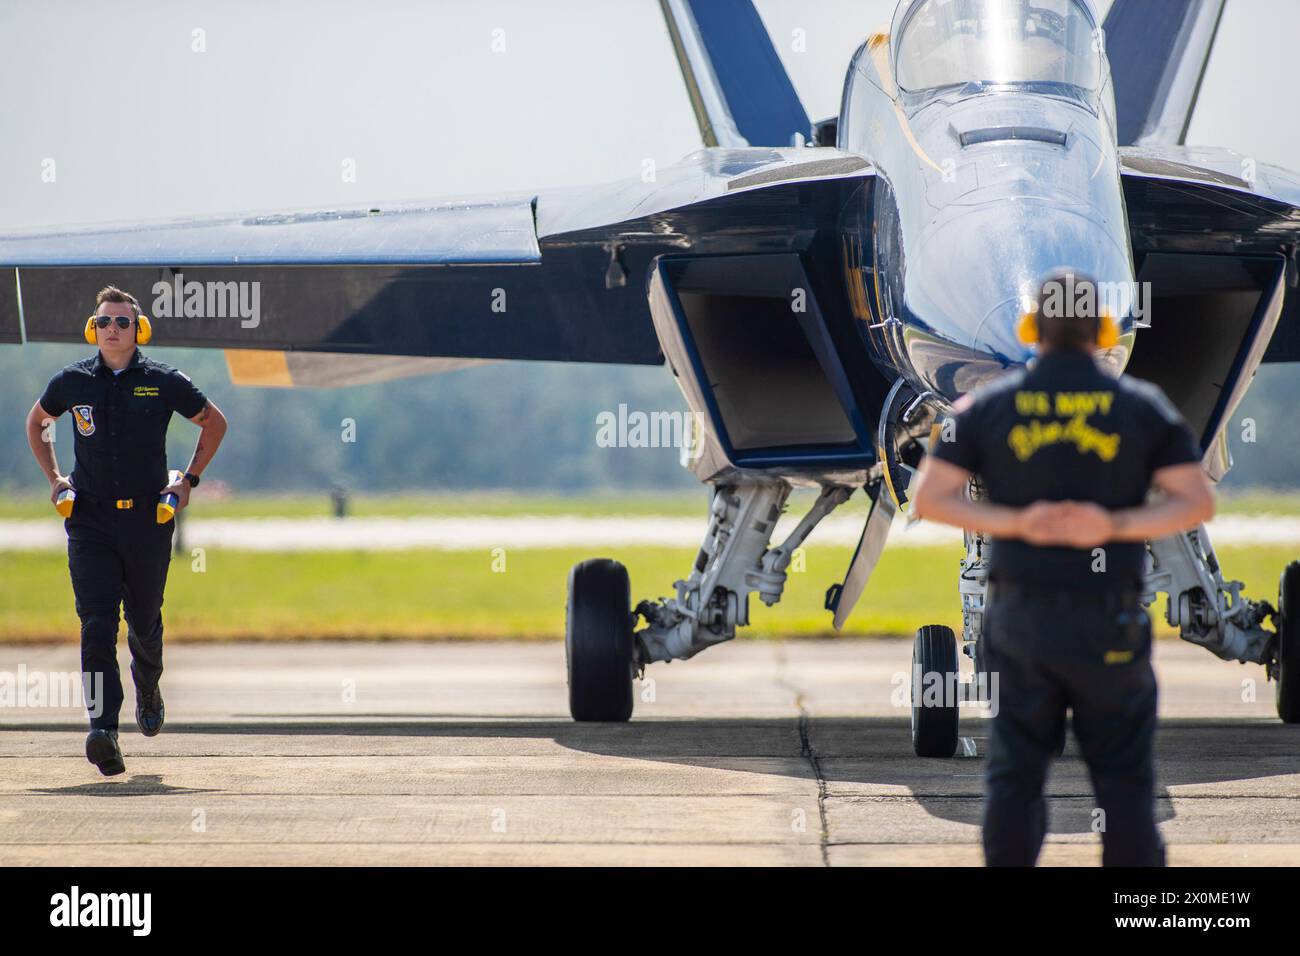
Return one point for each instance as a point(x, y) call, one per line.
point(1065, 430)
point(121, 423)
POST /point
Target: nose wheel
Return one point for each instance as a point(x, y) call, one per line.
point(598, 642)
point(934, 692)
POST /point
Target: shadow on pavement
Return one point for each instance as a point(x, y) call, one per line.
point(874, 751)
point(128, 785)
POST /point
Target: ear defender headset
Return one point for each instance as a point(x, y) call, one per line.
point(143, 330)
point(1107, 330)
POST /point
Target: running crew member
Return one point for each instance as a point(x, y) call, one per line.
point(121, 403)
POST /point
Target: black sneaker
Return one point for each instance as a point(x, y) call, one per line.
point(102, 750)
point(149, 711)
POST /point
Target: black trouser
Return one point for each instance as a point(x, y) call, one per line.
point(1053, 649)
point(118, 558)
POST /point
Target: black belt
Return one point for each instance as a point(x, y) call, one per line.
point(1111, 598)
point(126, 503)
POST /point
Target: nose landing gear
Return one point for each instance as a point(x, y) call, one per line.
point(934, 692)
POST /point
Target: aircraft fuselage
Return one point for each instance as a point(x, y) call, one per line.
point(982, 191)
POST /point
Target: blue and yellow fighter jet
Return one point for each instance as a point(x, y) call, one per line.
point(821, 291)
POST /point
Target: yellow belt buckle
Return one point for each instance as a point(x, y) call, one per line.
point(124, 504)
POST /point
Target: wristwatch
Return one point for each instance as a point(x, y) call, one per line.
point(192, 479)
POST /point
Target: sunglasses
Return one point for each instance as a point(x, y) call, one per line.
point(123, 321)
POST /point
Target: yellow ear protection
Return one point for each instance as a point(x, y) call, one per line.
point(143, 330)
point(1107, 330)
point(1026, 329)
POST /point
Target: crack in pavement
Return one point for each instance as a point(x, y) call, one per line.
point(807, 750)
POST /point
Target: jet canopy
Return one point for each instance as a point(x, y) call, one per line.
point(944, 43)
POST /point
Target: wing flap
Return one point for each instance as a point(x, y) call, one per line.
point(505, 312)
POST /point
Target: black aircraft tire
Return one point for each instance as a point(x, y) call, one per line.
point(598, 641)
point(934, 727)
point(1287, 689)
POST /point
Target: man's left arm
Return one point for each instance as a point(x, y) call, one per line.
point(187, 400)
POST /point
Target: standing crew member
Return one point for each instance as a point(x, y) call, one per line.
point(118, 553)
point(1067, 456)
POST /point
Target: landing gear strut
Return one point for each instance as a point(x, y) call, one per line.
point(733, 561)
point(1210, 611)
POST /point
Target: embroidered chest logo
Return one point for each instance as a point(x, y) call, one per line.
point(145, 391)
point(84, 415)
point(1075, 408)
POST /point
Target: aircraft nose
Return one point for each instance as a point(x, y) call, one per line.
point(996, 340)
point(977, 272)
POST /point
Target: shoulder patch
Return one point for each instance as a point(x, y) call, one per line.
point(84, 416)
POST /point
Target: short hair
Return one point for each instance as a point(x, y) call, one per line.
point(111, 293)
point(1068, 311)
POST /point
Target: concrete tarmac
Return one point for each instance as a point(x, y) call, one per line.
point(767, 753)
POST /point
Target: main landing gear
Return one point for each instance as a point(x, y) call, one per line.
point(604, 651)
point(1211, 611)
point(598, 642)
point(1285, 667)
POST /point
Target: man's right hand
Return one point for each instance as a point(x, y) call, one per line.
point(1044, 523)
point(57, 486)
point(1065, 524)
point(1089, 525)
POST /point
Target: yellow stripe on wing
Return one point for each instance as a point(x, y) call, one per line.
point(255, 367)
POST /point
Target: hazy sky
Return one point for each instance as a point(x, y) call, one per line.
point(141, 125)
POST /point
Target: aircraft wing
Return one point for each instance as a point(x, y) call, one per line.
point(555, 276)
point(426, 287)
point(1158, 51)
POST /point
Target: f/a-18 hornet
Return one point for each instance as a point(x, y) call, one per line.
point(822, 292)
